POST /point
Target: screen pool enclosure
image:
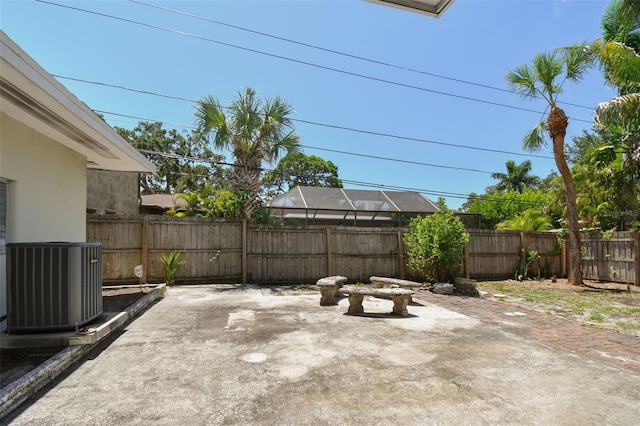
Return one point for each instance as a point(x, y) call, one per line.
point(353, 207)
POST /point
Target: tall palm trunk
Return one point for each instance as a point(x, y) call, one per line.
point(245, 180)
point(557, 122)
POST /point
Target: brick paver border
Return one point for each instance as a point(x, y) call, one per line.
point(605, 345)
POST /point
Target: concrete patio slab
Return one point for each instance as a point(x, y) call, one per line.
point(241, 355)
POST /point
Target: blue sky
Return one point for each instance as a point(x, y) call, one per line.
point(433, 90)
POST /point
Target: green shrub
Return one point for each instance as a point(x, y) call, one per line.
point(171, 262)
point(436, 243)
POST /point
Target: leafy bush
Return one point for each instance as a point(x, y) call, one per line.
point(522, 273)
point(436, 243)
point(208, 202)
point(513, 210)
point(171, 262)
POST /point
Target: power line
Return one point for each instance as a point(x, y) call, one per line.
point(397, 160)
point(184, 157)
point(336, 52)
point(352, 182)
point(458, 195)
point(389, 135)
point(404, 188)
point(380, 80)
point(332, 126)
point(353, 153)
point(116, 86)
point(183, 126)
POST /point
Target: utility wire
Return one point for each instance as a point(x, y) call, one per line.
point(485, 197)
point(336, 52)
point(380, 80)
point(389, 135)
point(183, 126)
point(352, 153)
point(404, 188)
point(352, 182)
point(397, 160)
point(332, 126)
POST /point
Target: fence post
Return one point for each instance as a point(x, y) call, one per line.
point(637, 255)
point(144, 255)
point(465, 261)
point(329, 257)
point(244, 251)
point(564, 259)
point(401, 255)
point(523, 249)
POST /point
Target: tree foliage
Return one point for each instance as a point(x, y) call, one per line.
point(255, 131)
point(611, 173)
point(220, 203)
point(299, 169)
point(544, 78)
point(528, 220)
point(513, 209)
point(436, 243)
point(209, 202)
point(608, 190)
point(620, 40)
point(183, 160)
point(517, 178)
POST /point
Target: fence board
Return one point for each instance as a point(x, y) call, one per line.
point(213, 251)
point(610, 257)
point(493, 254)
point(498, 254)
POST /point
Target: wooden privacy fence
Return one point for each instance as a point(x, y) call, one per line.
point(503, 254)
point(612, 256)
point(237, 252)
point(232, 251)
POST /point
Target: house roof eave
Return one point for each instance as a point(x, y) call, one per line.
point(29, 94)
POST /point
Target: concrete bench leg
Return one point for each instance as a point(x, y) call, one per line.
point(355, 304)
point(410, 297)
point(400, 305)
point(327, 295)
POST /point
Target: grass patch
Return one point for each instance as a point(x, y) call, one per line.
point(596, 316)
point(613, 310)
point(628, 327)
point(306, 287)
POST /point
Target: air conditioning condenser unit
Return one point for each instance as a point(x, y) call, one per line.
point(53, 286)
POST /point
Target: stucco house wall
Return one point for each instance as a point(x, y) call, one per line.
point(45, 186)
point(111, 192)
point(48, 140)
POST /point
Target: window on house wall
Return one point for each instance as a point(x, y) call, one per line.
point(3, 216)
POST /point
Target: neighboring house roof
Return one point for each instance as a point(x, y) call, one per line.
point(323, 198)
point(433, 8)
point(161, 201)
point(339, 204)
point(29, 94)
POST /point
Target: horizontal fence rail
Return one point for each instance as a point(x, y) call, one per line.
point(612, 256)
point(233, 251)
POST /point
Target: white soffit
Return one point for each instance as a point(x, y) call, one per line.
point(433, 8)
point(29, 94)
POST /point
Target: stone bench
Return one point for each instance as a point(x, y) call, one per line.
point(328, 287)
point(380, 282)
point(401, 297)
point(466, 287)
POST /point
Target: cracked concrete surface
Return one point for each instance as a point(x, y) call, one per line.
point(219, 355)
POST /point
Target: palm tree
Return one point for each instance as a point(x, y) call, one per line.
point(620, 25)
point(254, 130)
point(517, 177)
point(544, 78)
point(618, 54)
point(621, 115)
